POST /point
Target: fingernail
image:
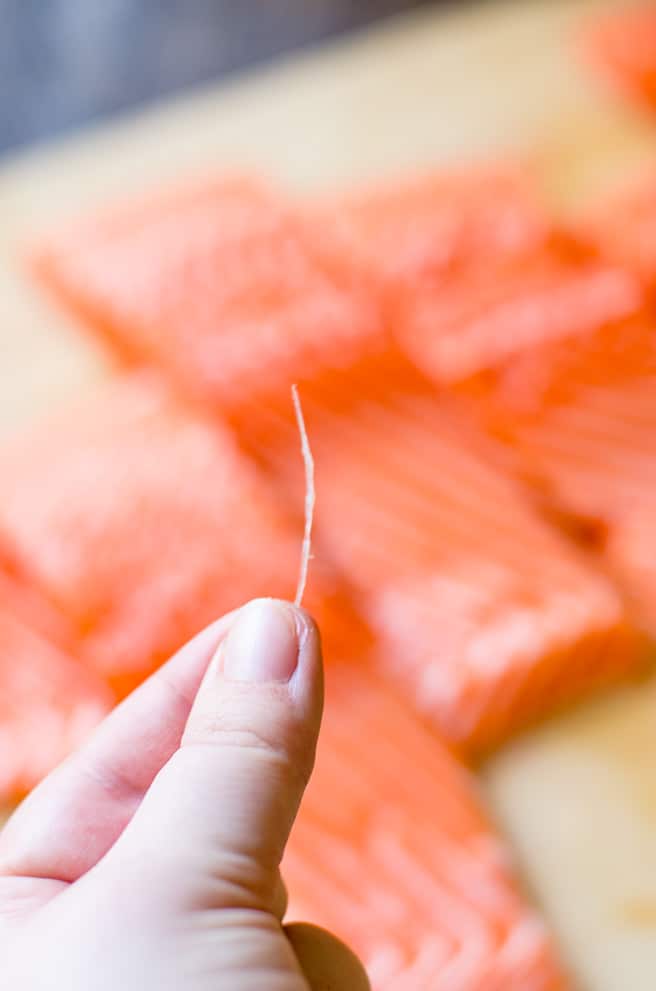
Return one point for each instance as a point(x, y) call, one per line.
point(262, 644)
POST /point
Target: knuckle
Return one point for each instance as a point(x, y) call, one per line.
point(282, 748)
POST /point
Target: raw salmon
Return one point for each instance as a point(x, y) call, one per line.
point(48, 704)
point(421, 231)
point(630, 551)
point(624, 225)
point(144, 523)
point(622, 45)
point(484, 616)
point(580, 420)
point(227, 286)
point(19, 593)
point(237, 292)
point(485, 322)
point(394, 853)
point(557, 359)
point(474, 270)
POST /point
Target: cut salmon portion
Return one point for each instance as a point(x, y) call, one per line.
point(237, 293)
point(580, 422)
point(624, 225)
point(484, 616)
point(557, 360)
point(630, 551)
point(488, 321)
point(144, 523)
point(424, 230)
point(394, 853)
point(583, 419)
point(48, 704)
point(226, 286)
point(622, 45)
point(474, 269)
point(22, 596)
point(595, 459)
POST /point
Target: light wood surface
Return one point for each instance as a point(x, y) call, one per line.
point(578, 797)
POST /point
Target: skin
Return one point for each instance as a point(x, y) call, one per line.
point(150, 859)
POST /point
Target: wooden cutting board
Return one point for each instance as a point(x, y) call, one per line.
point(578, 797)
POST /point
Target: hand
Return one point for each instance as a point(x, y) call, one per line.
point(150, 859)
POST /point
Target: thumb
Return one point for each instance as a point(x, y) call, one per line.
point(213, 826)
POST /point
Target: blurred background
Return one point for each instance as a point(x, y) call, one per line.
point(64, 63)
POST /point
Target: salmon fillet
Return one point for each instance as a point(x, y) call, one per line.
point(630, 551)
point(236, 292)
point(580, 423)
point(226, 286)
point(484, 616)
point(144, 523)
point(422, 231)
point(623, 224)
point(394, 853)
point(48, 704)
point(555, 357)
point(20, 594)
point(622, 46)
point(473, 269)
point(489, 321)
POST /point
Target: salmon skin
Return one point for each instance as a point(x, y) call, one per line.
point(442, 546)
point(48, 705)
point(144, 523)
point(225, 285)
point(621, 45)
point(394, 853)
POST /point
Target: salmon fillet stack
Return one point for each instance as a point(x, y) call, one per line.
point(144, 523)
point(622, 46)
point(395, 854)
point(48, 705)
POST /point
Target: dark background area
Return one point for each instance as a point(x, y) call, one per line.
point(66, 62)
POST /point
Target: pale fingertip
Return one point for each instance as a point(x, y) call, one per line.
point(263, 643)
